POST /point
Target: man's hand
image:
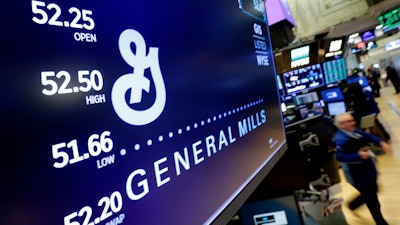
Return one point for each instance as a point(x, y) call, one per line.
point(386, 147)
point(363, 154)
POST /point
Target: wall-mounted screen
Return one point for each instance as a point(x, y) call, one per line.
point(370, 45)
point(299, 56)
point(334, 70)
point(367, 35)
point(390, 19)
point(135, 112)
point(302, 79)
point(354, 39)
point(335, 47)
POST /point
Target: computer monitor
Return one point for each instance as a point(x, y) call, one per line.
point(276, 211)
point(332, 95)
point(317, 109)
point(335, 108)
point(362, 80)
point(302, 79)
point(303, 99)
point(334, 70)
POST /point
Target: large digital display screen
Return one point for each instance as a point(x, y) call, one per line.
point(135, 112)
point(390, 19)
point(335, 48)
point(300, 56)
point(334, 70)
point(306, 78)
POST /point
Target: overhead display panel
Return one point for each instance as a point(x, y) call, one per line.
point(335, 48)
point(300, 56)
point(135, 112)
point(390, 19)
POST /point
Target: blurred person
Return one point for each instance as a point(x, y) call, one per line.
point(373, 80)
point(371, 107)
point(393, 76)
point(357, 162)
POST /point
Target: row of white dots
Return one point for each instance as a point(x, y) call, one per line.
point(201, 123)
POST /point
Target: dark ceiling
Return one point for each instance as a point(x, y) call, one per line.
point(368, 21)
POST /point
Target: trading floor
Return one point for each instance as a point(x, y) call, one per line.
point(388, 166)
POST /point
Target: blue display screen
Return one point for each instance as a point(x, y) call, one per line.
point(331, 95)
point(134, 112)
point(362, 80)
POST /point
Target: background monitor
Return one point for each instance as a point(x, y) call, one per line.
point(317, 109)
point(135, 111)
point(334, 70)
point(367, 35)
point(361, 80)
point(302, 79)
point(306, 98)
point(280, 85)
point(371, 45)
point(335, 47)
point(332, 95)
point(298, 56)
point(389, 19)
point(280, 210)
point(335, 108)
point(356, 50)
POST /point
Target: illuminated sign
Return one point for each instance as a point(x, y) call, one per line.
point(392, 45)
point(367, 36)
point(354, 38)
point(335, 48)
point(370, 45)
point(254, 8)
point(300, 56)
point(390, 20)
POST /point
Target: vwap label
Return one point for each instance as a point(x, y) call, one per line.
point(137, 82)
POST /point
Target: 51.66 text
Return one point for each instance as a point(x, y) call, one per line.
point(96, 144)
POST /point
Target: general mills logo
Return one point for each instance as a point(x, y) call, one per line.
point(136, 82)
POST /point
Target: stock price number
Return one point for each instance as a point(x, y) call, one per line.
point(96, 145)
point(88, 79)
point(50, 14)
point(108, 205)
